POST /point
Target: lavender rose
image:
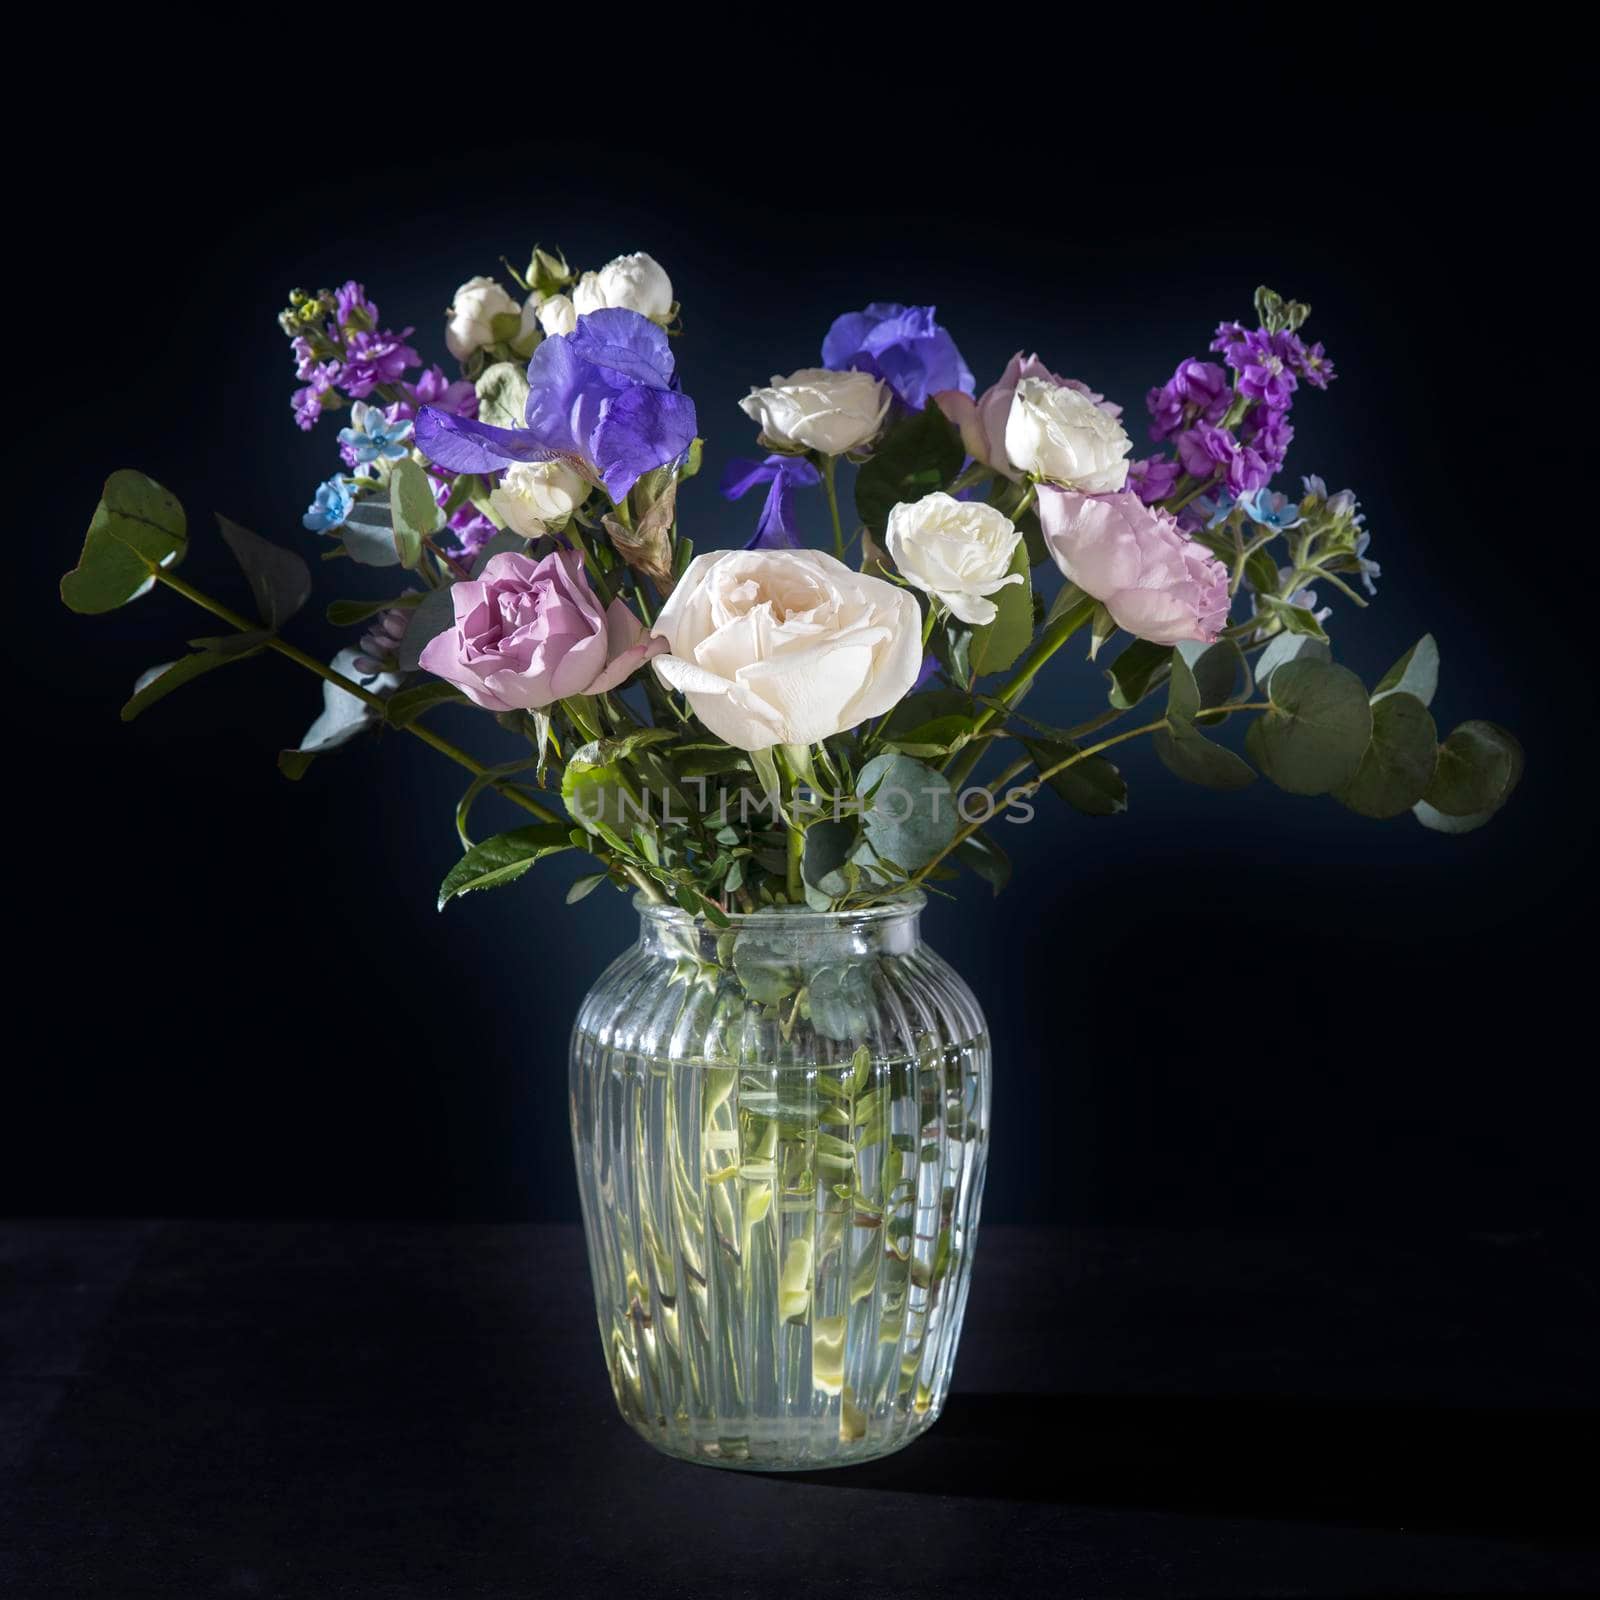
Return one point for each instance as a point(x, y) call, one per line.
point(1131, 557)
point(529, 633)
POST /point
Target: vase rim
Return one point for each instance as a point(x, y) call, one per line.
point(901, 908)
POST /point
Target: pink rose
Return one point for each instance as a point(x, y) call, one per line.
point(1131, 557)
point(529, 633)
point(983, 421)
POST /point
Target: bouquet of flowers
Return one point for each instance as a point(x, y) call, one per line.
point(781, 725)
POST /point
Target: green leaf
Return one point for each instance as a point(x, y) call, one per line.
point(368, 533)
point(1136, 671)
point(347, 613)
point(1314, 737)
point(1183, 693)
point(279, 579)
point(1261, 570)
point(137, 527)
point(940, 737)
point(839, 999)
point(829, 845)
point(157, 685)
point(503, 395)
point(1415, 673)
point(406, 705)
point(979, 852)
point(1396, 770)
point(294, 764)
point(1479, 765)
point(585, 885)
point(503, 858)
point(909, 812)
point(485, 780)
point(995, 645)
point(1295, 619)
point(433, 616)
point(416, 514)
point(765, 971)
point(917, 455)
point(600, 796)
point(1186, 753)
point(1216, 669)
point(927, 705)
point(1092, 786)
point(1286, 647)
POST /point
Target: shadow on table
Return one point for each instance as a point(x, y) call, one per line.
point(1473, 1471)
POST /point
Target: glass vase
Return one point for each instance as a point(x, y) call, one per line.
point(780, 1130)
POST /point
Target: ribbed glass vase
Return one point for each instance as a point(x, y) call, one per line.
point(780, 1130)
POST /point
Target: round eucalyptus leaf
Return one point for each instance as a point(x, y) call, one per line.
point(136, 526)
point(829, 844)
point(1479, 765)
point(1287, 647)
point(909, 812)
point(1313, 738)
point(1194, 758)
point(503, 395)
point(1415, 673)
point(1429, 817)
point(1398, 765)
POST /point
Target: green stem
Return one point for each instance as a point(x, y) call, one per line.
point(322, 670)
point(1055, 634)
point(833, 505)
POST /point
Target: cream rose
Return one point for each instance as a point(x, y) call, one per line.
point(958, 551)
point(533, 494)
point(786, 646)
point(470, 320)
point(815, 409)
point(1059, 434)
point(557, 315)
point(630, 283)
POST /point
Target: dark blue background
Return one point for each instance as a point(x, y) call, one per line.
point(1229, 1009)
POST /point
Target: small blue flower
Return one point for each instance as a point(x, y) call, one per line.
point(1370, 570)
point(1269, 510)
point(374, 437)
point(332, 504)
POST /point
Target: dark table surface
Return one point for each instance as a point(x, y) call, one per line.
point(320, 1410)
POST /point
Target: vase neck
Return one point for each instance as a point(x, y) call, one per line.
point(892, 929)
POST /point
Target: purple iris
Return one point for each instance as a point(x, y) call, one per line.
point(604, 395)
point(903, 345)
point(775, 529)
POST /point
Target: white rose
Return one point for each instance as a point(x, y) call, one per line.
point(534, 493)
point(787, 646)
point(956, 550)
point(1061, 435)
point(820, 410)
point(470, 324)
point(631, 283)
point(557, 315)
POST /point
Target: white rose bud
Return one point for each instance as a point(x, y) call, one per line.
point(815, 409)
point(958, 551)
point(557, 315)
point(630, 283)
point(787, 646)
point(533, 494)
point(471, 316)
point(1062, 436)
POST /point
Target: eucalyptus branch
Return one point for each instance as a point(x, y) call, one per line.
point(1055, 635)
point(350, 686)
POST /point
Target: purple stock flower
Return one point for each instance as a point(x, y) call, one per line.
point(471, 531)
point(1264, 361)
point(775, 529)
point(1153, 479)
point(460, 398)
point(374, 358)
point(1197, 390)
point(1268, 432)
point(352, 298)
point(1205, 449)
point(308, 402)
point(605, 396)
point(903, 345)
point(1315, 367)
point(928, 671)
